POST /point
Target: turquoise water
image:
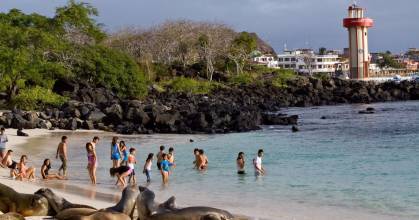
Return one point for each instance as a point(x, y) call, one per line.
point(359, 166)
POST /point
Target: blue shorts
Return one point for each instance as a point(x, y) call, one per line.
point(115, 157)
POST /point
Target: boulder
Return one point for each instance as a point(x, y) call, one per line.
point(71, 124)
point(88, 125)
point(45, 124)
point(279, 119)
point(96, 116)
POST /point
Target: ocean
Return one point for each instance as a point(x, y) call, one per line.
point(347, 166)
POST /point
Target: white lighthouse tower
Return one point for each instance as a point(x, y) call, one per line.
point(359, 57)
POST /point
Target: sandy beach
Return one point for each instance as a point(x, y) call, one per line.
point(31, 187)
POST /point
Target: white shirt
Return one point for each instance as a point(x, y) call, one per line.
point(258, 162)
point(3, 140)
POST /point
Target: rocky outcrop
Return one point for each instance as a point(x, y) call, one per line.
point(236, 109)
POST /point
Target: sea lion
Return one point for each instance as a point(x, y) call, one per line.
point(90, 214)
point(12, 216)
point(57, 203)
point(71, 212)
point(127, 203)
point(149, 210)
point(24, 204)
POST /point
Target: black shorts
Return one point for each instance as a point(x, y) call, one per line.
point(241, 172)
point(159, 165)
point(132, 173)
point(13, 166)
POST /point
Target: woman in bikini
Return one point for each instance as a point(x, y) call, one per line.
point(23, 171)
point(46, 175)
point(91, 161)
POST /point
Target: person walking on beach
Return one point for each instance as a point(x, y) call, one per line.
point(11, 164)
point(203, 160)
point(115, 153)
point(147, 166)
point(62, 153)
point(131, 164)
point(240, 163)
point(165, 168)
point(257, 163)
point(91, 162)
point(25, 172)
point(3, 141)
point(124, 153)
point(160, 157)
point(46, 175)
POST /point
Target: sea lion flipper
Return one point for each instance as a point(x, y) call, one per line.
point(170, 203)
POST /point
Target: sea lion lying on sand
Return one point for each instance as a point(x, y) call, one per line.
point(90, 214)
point(127, 203)
point(149, 210)
point(57, 203)
point(24, 204)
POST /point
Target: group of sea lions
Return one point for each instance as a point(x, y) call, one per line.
point(136, 203)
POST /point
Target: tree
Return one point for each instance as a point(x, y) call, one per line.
point(241, 48)
point(322, 51)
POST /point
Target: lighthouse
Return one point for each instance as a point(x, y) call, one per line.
point(359, 57)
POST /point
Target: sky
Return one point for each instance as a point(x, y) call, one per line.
point(294, 23)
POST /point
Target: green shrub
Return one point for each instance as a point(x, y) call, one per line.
point(188, 85)
point(243, 79)
point(37, 98)
point(281, 77)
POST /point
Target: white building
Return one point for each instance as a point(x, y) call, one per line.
point(305, 61)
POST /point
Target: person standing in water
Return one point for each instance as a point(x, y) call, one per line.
point(131, 163)
point(147, 166)
point(257, 163)
point(124, 153)
point(240, 163)
point(115, 153)
point(95, 141)
point(160, 157)
point(3, 141)
point(196, 161)
point(62, 153)
point(203, 160)
point(165, 169)
point(91, 161)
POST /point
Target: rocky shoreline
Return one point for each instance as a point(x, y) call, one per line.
point(235, 109)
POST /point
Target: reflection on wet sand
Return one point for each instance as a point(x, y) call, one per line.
point(87, 191)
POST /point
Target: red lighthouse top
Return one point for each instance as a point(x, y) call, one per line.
point(356, 18)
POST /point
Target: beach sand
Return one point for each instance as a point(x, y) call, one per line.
point(74, 195)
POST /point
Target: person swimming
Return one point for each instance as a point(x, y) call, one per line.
point(46, 175)
point(240, 163)
point(196, 154)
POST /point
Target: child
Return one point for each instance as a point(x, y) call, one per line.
point(115, 153)
point(203, 160)
point(147, 166)
point(121, 172)
point(24, 171)
point(124, 153)
point(165, 169)
point(131, 162)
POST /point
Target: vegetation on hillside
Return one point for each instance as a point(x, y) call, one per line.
point(179, 56)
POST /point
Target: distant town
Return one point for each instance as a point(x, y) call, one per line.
point(355, 62)
point(336, 62)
